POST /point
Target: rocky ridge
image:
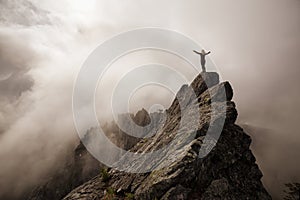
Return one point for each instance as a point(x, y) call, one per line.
point(81, 166)
point(229, 170)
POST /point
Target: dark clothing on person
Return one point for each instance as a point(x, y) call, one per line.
point(202, 59)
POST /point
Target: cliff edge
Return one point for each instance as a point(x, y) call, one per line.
point(228, 171)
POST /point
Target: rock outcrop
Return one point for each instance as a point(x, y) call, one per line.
point(150, 121)
point(228, 171)
point(80, 168)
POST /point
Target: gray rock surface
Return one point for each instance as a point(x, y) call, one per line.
point(81, 166)
point(229, 171)
point(79, 169)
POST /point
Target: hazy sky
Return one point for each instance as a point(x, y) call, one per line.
point(255, 45)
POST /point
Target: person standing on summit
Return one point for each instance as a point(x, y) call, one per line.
point(202, 58)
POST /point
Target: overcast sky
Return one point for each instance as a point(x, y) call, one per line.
point(255, 45)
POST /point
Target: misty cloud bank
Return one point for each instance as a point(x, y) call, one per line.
point(43, 44)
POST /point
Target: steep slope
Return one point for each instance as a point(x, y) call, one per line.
point(229, 171)
point(81, 166)
point(79, 169)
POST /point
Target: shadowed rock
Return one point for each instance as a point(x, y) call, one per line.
point(229, 171)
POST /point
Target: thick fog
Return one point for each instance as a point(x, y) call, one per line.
point(255, 45)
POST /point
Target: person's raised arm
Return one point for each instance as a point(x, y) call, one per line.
point(207, 53)
point(196, 52)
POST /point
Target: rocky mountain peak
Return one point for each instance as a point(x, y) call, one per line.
point(142, 118)
point(228, 171)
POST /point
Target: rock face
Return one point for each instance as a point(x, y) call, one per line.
point(229, 170)
point(81, 168)
point(151, 122)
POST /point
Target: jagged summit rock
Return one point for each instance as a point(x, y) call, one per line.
point(229, 171)
point(142, 118)
point(203, 81)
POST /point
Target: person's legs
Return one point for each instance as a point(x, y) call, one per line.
point(203, 66)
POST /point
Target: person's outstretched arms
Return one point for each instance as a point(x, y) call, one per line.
point(207, 53)
point(196, 52)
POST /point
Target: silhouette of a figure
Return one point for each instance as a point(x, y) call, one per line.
point(202, 58)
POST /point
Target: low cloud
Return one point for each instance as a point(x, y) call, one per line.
point(42, 45)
